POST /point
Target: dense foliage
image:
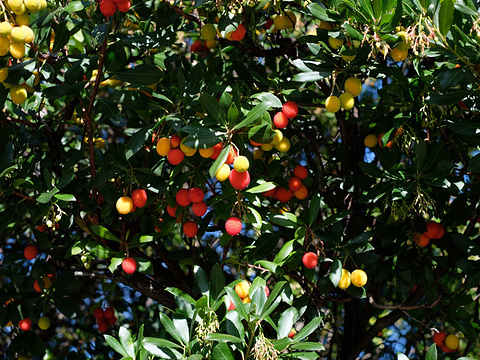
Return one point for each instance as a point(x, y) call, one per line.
point(356, 223)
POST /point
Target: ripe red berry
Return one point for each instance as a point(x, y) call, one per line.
point(283, 195)
point(439, 338)
point(30, 252)
point(290, 109)
point(232, 154)
point(300, 172)
point(171, 210)
point(175, 156)
point(190, 228)
point(292, 333)
point(217, 149)
point(102, 325)
point(434, 230)
point(239, 33)
point(109, 312)
point(280, 120)
point(199, 46)
point(98, 313)
point(139, 197)
point(270, 192)
point(239, 180)
point(294, 183)
point(25, 324)
point(129, 265)
point(112, 320)
point(182, 197)
point(196, 195)
point(108, 7)
point(310, 260)
point(199, 208)
point(233, 226)
point(124, 6)
point(175, 141)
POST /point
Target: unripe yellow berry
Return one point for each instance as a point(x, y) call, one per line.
point(206, 153)
point(359, 277)
point(278, 137)
point(284, 145)
point(18, 94)
point(335, 43)
point(163, 146)
point(370, 141)
point(241, 164)
point(223, 173)
point(347, 100)
point(353, 85)
point(208, 32)
point(332, 104)
point(345, 280)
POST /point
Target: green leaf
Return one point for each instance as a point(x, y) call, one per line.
point(431, 353)
point(239, 305)
point(115, 262)
point(217, 282)
point(223, 338)
point(104, 233)
point(269, 98)
point(126, 341)
point(161, 342)
point(443, 18)
point(286, 219)
point(286, 321)
point(201, 137)
point(308, 329)
point(65, 197)
point(201, 278)
point(308, 346)
point(318, 10)
point(332, 219)
point(261, 188)
point(181, 325)
point(212, 106)
point(137, 141)
point(67, 307)
point(335, 271)
point(143, 74)
point(314, 208)
point(222, 352)
point(170, 328)
point(474, 164)
point(115, 345)
point(447, 98)
point(219, 162)
point(367, 9)
point(99, 250)
point(253, 115)
point(47, 196)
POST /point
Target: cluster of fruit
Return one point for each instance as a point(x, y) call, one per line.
point(448, 343)
point(109, 7)
point(128, 204)
point(186, 197)
point(352, 88)
point(243, 291)
point(175, 150)
point(434, 230)
point(357, 278)
point(18, 93)
point(105, 318)
point(14, 35)
point(295, 187)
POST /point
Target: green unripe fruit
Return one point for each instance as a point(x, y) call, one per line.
point(44, 323)
point(208, 32)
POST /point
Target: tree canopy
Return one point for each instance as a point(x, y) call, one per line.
point(260, 179)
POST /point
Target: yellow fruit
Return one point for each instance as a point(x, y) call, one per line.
point(332, 104)
point(405, 42)
point(37, 78)
point(208, 32)
point(33, 6)
point(206, 153)
point(290, 19)
point(284, 145)
point(187, 150)
point(44, 323)
point(258, 154)
point(241, 164)
point(17, 34)
point(347, 100)
point(284, 21)
point(325, 25)
point(23, 19)
point(247, 300)
point(359, 278)
point(163, 146)
point(43, 4)
point(353, 85)
point(3, 74)
point(370, 141)
point(29, 35)
point(452, 342)
point(124, 205)
point(266, 147)
point(223, 173)
point(4, 43)
point(5, 28)
point(398, 55)
point(211, 44)
point(345, 280)
point(242, 289)
point(335, 43)
point(277, 138)
point(18, 94)
point(348, 58)
point(17, 49)
point(99, 143)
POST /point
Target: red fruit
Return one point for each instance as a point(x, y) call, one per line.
point(434, 230)
point(112, 320)
point(217, 149)
point(232, 154)
point(171, 210)
point(268, 24)
point(108, 7)
point(255, 143)
point(300, 172)
point(98, 313)
point(190, 228)
point(129, 265)
point(267, 290)
point(310, 260)
point(280, 120)
point(108, 313)
point(199, 208)
point(270, 192)
point(196, 195)
point(283, 195)
point(233, 226)
point(102, 325)
point(239, 33)
point(446, 349)
point(175, 141)
point(439, 338)
point(182, 197)
point(30, 252)
point(175, 156)
point(231, 306)
point(25, 324)
point(292, 333)
point(124, 6)
point(421, 239)
point(139, 198)
point(41, 228)
point(199, 46)
point(239, 180)
point(294, 183)
point(290, 109)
